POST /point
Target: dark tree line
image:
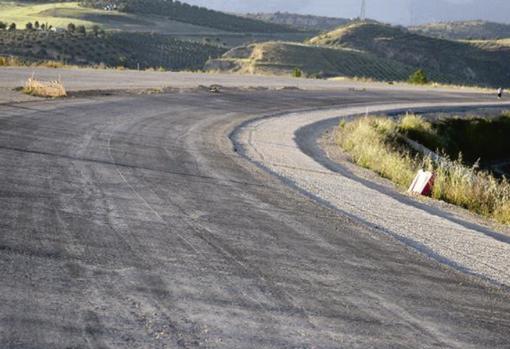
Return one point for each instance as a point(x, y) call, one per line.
point(6, 26)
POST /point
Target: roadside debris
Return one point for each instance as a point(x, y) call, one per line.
point(422, 184)
point(214, 88)
point(500, 93)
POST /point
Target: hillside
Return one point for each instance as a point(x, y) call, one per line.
point(377, 51)
point(302, 22)
point(444, 60)
point(465, 30)
point(281, 58)
point(183, 12)
point(152, 34)
point(60, 14)
point(130, 50)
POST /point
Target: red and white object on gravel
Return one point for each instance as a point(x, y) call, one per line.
point(423, 183)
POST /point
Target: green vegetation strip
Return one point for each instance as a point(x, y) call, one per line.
point(378, 143)
point(483, 140)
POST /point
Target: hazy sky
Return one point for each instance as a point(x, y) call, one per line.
point(395, 11)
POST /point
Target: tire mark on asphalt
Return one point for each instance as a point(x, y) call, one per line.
point(284, 296)
point(208, 238)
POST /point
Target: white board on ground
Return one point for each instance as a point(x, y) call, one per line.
point(422, 183)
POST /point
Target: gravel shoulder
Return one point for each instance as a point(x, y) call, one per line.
point(286, 146)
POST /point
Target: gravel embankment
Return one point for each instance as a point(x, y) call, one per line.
point(449, 237)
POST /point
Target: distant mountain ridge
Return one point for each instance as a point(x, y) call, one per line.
point(298, 21)
point(403, 12)
point(465, 30)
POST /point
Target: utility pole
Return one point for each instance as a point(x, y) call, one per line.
point(363, 13)
point(411, 13)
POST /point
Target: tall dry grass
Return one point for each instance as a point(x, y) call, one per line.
point(12, 61)
point(377, 143)
point(38, 88)
point(369, 141)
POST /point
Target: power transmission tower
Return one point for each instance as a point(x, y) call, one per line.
point(411, 13)
point(363, 14)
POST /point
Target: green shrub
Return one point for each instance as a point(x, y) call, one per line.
point(95, 29)
point(419, 77)
point(422, 131)
point(81, 29)
point(297, 73)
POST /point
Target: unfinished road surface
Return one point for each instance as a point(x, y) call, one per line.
point(131, 222)
point(285, 145)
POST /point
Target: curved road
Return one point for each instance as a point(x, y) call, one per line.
point(291, 147)
point(130, 222)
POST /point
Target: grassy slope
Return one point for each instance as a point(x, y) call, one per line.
point(282, 58)
point(375, 143)
point(60, 14)
point(21, 13)
point(465, 30)
point(444, 60)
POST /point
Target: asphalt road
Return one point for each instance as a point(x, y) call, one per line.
point(130, 222)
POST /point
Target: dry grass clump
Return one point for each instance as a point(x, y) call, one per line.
point(10, 61)
point(51, 89)
point(414, 122)
point(53, 64)
point(475, 190)
point(369, 141)
point(376, 143)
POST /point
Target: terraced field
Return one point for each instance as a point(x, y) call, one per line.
point(130, 50)
point(135, 35)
